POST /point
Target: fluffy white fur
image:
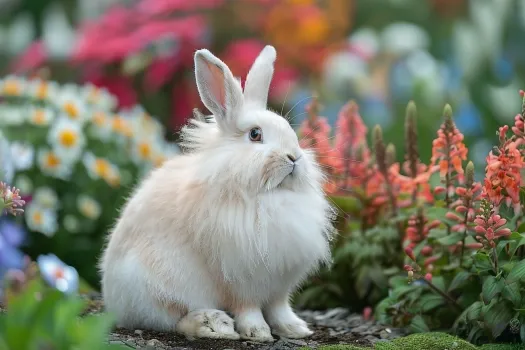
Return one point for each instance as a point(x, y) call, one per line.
point(230, 226)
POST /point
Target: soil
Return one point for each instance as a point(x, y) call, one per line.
point(334, 326)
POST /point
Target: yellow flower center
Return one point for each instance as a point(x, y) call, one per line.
point(52, 161)
point(102, 167)
point(121, 126)
point(68, 138)
point(37, 218)
point(144, 150)
point(71, 109)
point(41, 91)
point(11, 87)
point(39, 117)
point(99, 119)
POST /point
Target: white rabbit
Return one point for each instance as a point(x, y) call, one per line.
point(231, 226)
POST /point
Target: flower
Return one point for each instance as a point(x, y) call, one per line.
point(69, 100)
point(11, 237)
point(40, 219)
point(489, 225)
point(23, 155)
point(43, 90)
point(40, 116)
point(88, 207)
point(33, 57)
point(100, 168)
point(100, 126)
point(503, 172)
point(12, 202)
point(67, 139)
point(57, 274)
point(98, 96)
point(121, 126)
point(12, 86)
point(46, 197)
point(52, 164)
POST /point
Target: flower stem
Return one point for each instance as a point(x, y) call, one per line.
point(443, 294)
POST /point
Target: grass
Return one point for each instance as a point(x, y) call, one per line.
point(428, 341)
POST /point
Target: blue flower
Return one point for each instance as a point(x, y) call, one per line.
point(57, 274)
point(11, 237)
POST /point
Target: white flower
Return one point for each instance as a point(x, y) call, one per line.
point(40, 116)
point(43, 90)
point(12, 85)
point(57, 274)
point(100, 126)
point(23, 155)
point(144, 150)
point(100, 168)
point(143, 124)
point(52, 164)
point(46, 198)
point(99, 97)
point(71, 103)
point(67, 138)
point(40, 219)
point(12, 114)
point(403, 37)
point(121, 125)
point(88, 207)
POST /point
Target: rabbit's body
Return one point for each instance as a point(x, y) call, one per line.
point(203, 234)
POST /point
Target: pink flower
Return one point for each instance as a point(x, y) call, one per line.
point(489, 225)
point(162, 7)
point(31, 59)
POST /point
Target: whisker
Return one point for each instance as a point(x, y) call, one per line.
point(297, 103)
point(286, 96)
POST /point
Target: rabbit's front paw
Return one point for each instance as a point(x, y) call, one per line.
point(214, 324)
point(252, 326)
point(285, 323)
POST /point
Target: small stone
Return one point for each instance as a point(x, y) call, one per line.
point(296, 342)
point(154, 343)
point(138, 332)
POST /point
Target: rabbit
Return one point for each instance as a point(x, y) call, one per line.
point(212, 243)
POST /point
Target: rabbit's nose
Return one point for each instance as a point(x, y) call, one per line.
point(291, 157)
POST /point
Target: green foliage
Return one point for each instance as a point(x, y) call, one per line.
point(427, 341)
point(44, 318)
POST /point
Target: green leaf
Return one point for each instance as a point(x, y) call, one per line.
point(512, 293)
point(451, 239)
point(418, 325)
point(491, 288)
point(517, 273)
point(522, 332)
point(459, 280)
point(430, 302)
point(437, 233)
point(474, 311)
point(482, 262)
point(498, 316)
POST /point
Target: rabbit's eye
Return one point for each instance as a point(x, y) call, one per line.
point(256, 135)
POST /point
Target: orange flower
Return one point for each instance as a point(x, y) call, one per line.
point(503, 172)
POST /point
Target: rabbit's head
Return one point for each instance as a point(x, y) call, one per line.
point(245, 142)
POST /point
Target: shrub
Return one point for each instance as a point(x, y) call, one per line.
point(74, 159)
point(463, 240)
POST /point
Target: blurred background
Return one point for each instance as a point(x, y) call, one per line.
point(380, 53)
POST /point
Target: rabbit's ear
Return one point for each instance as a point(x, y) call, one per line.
point(258, 80)
point(220, 92)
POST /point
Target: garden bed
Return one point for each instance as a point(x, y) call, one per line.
point(331, 327)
